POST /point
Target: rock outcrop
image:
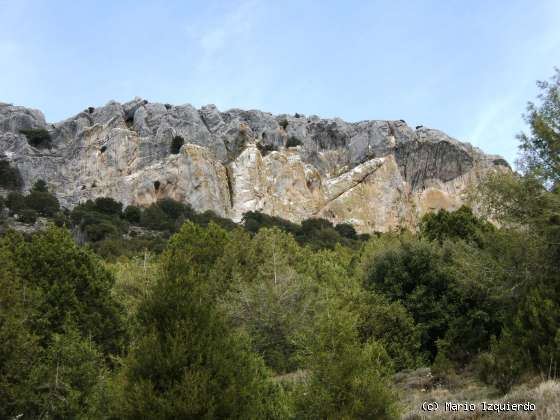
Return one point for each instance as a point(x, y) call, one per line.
point(377, 175)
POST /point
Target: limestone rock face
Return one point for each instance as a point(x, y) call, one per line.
point(377, 175)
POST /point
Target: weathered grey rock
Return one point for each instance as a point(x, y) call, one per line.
point(377, 175)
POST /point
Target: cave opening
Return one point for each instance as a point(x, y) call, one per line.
point(176, 144)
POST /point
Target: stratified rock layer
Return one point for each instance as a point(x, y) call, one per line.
point(377, 175)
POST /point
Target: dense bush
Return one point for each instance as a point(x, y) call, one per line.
point(108, 205)
point(99, 219)
point(348, 379)
point(15, 202)
point(10, 178)
point(346, 230)
point(40, 186)
point(59, 325)
point(166, 214)
point(28, 216)
point(38, 137)
point(445, 290)
point(132, 214)
point(459, 224)
point(44, 203)
point(190, 364)
point(253, 221)
point(317, 233)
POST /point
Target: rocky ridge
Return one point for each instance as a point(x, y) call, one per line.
point(377, 175)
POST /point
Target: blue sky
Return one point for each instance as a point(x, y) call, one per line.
point(465, 67)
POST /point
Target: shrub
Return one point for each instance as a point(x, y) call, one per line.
point(28, 216)
point(15, 202)
point(460, 224)
point(253, 221)
point(393, 326)
point(349, 379)
point(414, 273)
point(132, 214)
point(40, 186)
point(61, 220)
point(75, 288)
point(10, 178)
point(504, 364)
point(176, 144)
point(175, 209)
point(98, 231)
point(43, 203)
point(346, 230)
point(108, 205)
point(208, 216)
point(38, 137)
point(155, 218)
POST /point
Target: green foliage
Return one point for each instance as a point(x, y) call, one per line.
point(541, 148)
point(348, 379)
point(44, 203)
point(317, 233)
point(108, 206)
point(204, 219)
point(38, 137)
point(15, 202)
point(40, 186)
point(254, 220)
point(504, 364)
point(166, 215)
point(445, 289)
point(111, 249)
point(28, 216)
point(99, 219)
point(187, 362)
point(100, 230)
point(415, 274)
point(20, 348)
point(346, 230)
point(516, 200)
point(155, 218)
point(268, 297)
point(10, 178)
point(65, 375)
point(390, 324)
point(459, 224)
point(75, 287)
point(132, 214)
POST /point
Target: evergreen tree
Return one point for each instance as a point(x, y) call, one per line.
point(187, 363)
point(348, 379)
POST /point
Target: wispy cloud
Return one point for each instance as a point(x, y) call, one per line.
point(226, 62)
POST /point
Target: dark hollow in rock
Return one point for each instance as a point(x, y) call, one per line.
point(293, 142)
point(176, 144)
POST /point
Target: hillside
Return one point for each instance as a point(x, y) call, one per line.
point(376, 175)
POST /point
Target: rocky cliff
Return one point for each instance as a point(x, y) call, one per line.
point(376, 175)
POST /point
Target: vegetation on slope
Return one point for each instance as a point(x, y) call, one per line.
point(197, 317)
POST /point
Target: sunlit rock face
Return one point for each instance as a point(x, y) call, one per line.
point(377, 175)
